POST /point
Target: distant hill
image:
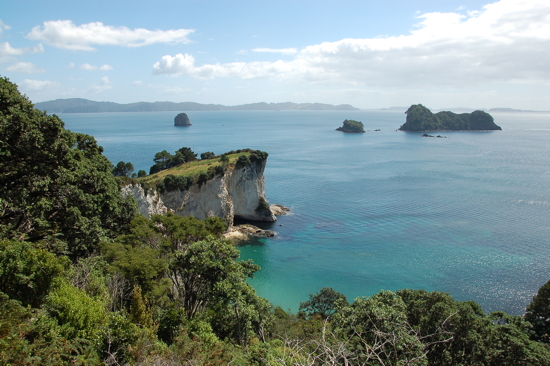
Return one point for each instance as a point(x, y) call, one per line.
point(78, 105)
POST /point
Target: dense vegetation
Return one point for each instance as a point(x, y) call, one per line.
point(420, 118)
point(86, 281)
point(352, 126)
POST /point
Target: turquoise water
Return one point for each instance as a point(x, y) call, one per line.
point(468, 214)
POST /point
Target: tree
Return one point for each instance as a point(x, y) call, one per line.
point(376, 331)
point(55, 181)
point(242, 161)
point(27, 273)
point(123, 169)
point(207, 155)
point(162, 160)
point(538, 314)
point(141, 173)
point(224, 159)
point(323, 303)
point(185, 155)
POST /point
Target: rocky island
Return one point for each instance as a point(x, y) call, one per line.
point(182, 120)
point(351, 126)
point(420, 118)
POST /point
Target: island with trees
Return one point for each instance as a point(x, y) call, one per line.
point(420, 118)
point(86, 280)
point(352, 126)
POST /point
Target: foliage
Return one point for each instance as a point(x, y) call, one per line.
point(141, 173)
point(208, 155)
point(323, 303)
point(123, 169)
point(78, 314)
point(263, 206)
point(29, 337)
point(459, 333)
point(27, 273)
point(173, 182)
point(242, 161)
point(54, 181)
point(164, 160)
point(139, 313)
point(182, 261)
point(538, 314)
point(224, 159)
point(376, 330)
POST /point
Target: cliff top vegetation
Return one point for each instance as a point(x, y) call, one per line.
point(195, 167)
point(181, 170)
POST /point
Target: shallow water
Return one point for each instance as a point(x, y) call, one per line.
point(468, 214)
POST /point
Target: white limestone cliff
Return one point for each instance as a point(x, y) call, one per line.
point(236, 194)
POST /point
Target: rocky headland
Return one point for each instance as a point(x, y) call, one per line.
point(420, 118)
point(238, 193)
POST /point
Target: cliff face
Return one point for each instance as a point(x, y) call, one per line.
point(239, 193)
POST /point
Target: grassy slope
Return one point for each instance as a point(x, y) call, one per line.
point(193, 168)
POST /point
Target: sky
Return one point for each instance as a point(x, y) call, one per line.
point(370, 54)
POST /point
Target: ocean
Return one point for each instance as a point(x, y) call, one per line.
point(468, 214)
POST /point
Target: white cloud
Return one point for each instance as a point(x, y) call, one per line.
point(169, 90)
point(38, 85)
point(65, 34)
point(185, 65)
point(506, 41)
point(70, 66)
point(41, 90)
point(137, 82)
point(25, 68)
point(103, 85)
point(3, 27)
point(7, 50)
point(89, 67)
point(284, 51)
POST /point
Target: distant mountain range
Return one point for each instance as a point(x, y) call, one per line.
point(78, 105)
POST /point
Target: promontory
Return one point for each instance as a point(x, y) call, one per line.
point(420, 118)
point(351, 126)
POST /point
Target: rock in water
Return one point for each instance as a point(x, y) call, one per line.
point(182, 120)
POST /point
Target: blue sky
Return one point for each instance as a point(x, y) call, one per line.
point(370, 54)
